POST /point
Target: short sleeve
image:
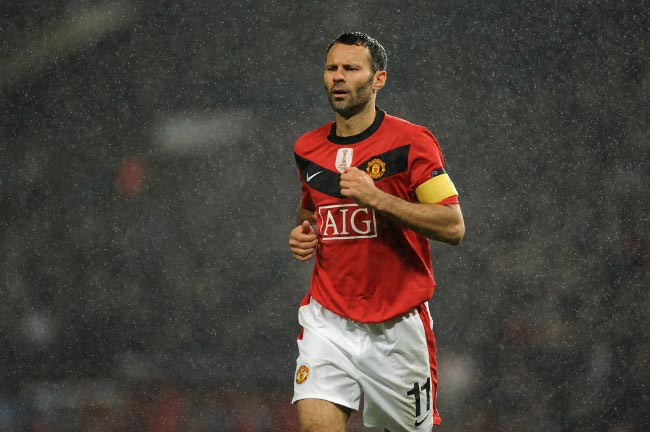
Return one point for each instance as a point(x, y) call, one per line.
point(427, 172)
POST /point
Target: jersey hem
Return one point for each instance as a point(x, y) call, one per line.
point(361, 317)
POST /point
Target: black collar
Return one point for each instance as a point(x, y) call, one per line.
point(353, 139)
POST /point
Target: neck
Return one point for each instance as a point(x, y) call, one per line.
point(357, 123)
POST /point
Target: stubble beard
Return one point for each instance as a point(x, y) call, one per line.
point(356, 103)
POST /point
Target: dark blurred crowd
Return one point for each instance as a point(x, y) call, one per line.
point(154, 407)
point(144, 276)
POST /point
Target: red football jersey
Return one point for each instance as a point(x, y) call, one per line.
point(368, 267)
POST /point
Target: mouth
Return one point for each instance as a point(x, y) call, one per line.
point(339, 93)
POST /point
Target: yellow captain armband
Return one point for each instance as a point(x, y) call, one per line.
point(436, 189)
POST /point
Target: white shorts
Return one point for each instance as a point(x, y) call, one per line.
point(393, 364)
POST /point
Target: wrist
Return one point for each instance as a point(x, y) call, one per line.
point(382, 201)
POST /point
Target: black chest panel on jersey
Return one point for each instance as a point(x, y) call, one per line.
point(328, 182)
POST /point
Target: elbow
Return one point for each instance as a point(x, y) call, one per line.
point(451, 231)
point(455, 241)
point(455, 232)
point(456, 235)
point(452, 236)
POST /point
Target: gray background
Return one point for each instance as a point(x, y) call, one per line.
point(148, 187)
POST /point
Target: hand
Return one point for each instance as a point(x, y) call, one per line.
point(358, 185)
point(303, 241)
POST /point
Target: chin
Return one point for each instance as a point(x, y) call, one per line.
point(341, 110)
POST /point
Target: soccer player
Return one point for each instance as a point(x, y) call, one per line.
point(374, 191)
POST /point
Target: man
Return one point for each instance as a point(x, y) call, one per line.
point(374, 191)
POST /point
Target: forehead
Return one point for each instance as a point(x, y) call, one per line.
point(348, 54)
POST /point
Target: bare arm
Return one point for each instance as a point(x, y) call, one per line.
point(305, 215)
point(443, 223)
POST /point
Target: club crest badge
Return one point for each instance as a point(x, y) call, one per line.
point(343, 159)
point(376, 168)
point(302, 374)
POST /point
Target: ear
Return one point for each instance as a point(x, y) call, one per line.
point(379, 80)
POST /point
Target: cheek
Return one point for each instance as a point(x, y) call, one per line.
point(366, 88)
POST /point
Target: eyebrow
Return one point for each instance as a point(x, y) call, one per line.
point(344, 64)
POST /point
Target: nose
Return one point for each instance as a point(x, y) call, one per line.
point(338, 75)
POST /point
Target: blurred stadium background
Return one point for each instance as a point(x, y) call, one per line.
point(147, 190)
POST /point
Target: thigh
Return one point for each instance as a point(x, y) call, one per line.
point(400, 379)
point(317, 415)
point(324, 369)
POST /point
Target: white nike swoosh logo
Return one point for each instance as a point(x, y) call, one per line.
point(309, 177)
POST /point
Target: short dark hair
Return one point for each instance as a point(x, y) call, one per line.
point(378, 57)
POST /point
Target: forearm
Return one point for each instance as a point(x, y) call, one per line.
point(305, 215)
point(443, 223)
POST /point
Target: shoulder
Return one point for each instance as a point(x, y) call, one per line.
point(406, 127)
point(416, 134)
point(313, 136)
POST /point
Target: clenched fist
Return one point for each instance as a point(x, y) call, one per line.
point(303, 241)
